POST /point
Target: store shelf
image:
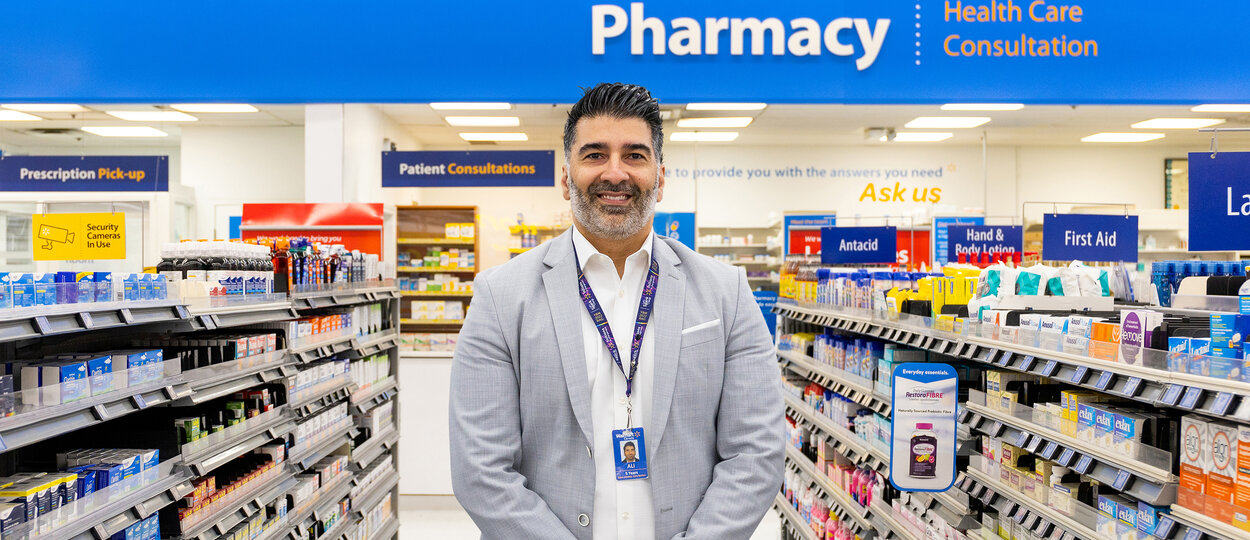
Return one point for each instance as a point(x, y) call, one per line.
point(753, 263)
point(323, 397)
point(1190, 525)
point(374, 394)
point(848, 509)
point(1220, 398)
point(372, 495)
point(847, 443)
point(378, 444)
point(311, 453)
point(882, 518)
point(203, 460)
point(227, 312)
point(434, 270)
point(388, 531)
point(739, 246)
point(839, 381)
point(28, 323)
point(92, 520)
point(370, 345)
point(1116, 468)
point(427, 354)
point(537, 229)
point(44, 423)
point(324, 348)
point(344, 294)
point(254, 500)
point(326, 498)
point(335, 531)
point(209, 383)
point(438, 294)
point(435, 242)
point(433, 322)
point(1012, 504)
point(791, 520)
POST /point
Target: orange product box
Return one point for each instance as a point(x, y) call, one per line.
point(1105, 341)
point(1222, 470)
point(1241, 494)
point(1195, 454)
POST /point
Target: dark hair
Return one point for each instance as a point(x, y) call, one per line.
point(618, 100)
point(630, 445)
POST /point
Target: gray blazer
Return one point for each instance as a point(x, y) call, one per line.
point(520, 402)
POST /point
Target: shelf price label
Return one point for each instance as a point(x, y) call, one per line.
point(990, 355)
point(1121, 480)
point(1034, 443)
point(1078, 376)
point(1131, 386)
point(1049, 368)
point(1222, 401)
point(1049, 451)
point(1104, 380)
point(987, 497)
point(1022, 439)
point(1065, 457)
point(1193, 534)
point(1026, 363)
point(1171, 394)
point(1020, 514)
point(1191, 397)
point(1003, 359)
point(1164, 529)
point(1083, 464)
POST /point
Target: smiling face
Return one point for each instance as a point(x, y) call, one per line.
point(631, 453)
point(613, 177)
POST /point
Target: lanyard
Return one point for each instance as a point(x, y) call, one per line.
point(605, 332)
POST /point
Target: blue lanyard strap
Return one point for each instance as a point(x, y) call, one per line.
point(640, 323)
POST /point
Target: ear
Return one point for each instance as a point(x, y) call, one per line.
point(659, 185)
point(564, 181)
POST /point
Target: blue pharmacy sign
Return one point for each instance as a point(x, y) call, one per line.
point(922, 438)
point(805, 222)
point(1219, 201)
point(1089, 237)
point(469, 168)
point(858, 245)
point(766, 300)
point(676, 225)
point(84, 173)
point(973, 240)
point(940, 234)
point(801, 51)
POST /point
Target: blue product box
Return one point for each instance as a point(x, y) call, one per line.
point(130, 287)
point(1085, 420)
point(100, 369)
point(148, 459)
point(128, 461)
point(23, 287)
point(1229, 331)
point(1104, 424)
point(873, 351)
point(45, 288)
point(66, 287)
point(6, 291)
point(86, 286)
point(1178, 349)
point(145, 286)
point(1199, 351)
point(1148, 517)
point(1244, 304)
point(12, 515)
point(106, 475)
point(103, 286)
point(72, 376)
point(86, 479)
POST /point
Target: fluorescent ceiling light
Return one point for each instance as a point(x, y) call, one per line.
point(922, 136)
point(17, 116)
point(460, 106)
point(215, 107)
point(153, 116)
point(1177, 123)
point(946, 122)
point(483, 121)
point(982, 106)
point(494, 136)
point(1229, 107)
point(45, 107)
point(703, 136)
point(725, 106)
point(1121, 137)
point(726, 122)
point(125, 131)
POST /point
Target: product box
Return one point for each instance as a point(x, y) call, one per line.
point(1104, 426)
point(1148, 518)
point(12, 515)
point(22, 287)
point(1105, 341)
point(100, 370)
point(1229, 331)
point(104, 287)
point(1194, 456)
point(1126, 521)
point(1241, 494)
point(1221, 470)
point(1051, 330)
point(1082, 326)
point(1075, 344)
point(1199, 356)
point(1128, 430)
point(1178, 352)
point(1086, 428)
point(1136, 327)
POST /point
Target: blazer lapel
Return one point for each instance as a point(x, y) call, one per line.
point(670, 299)
point(561, 284)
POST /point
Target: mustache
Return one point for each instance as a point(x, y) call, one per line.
point(604, 186)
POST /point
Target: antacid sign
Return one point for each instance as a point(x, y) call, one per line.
point(682, 36)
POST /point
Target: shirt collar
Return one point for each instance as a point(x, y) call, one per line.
point(586, 250)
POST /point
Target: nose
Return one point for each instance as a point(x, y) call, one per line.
point(615, 172)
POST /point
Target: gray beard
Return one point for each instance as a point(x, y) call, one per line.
point(598, 220)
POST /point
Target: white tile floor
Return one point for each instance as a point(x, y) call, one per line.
point(441, 518)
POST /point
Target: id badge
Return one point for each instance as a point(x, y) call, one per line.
point(631, 454)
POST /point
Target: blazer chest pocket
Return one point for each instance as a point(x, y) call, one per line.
point(701, 333)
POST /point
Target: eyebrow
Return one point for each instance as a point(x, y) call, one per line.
point(598, 146)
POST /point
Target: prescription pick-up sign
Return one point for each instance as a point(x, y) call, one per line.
point(79, 237)
point(1219, 201)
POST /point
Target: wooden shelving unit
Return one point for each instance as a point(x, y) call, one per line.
point(420, 229)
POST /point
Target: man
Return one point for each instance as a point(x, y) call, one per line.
point(630, 453)
point(608, 334)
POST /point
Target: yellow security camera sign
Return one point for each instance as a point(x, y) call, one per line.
point(79, 237)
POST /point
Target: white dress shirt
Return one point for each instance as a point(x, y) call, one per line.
point(623, 509)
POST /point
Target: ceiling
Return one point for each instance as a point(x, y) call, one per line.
point(776, 125)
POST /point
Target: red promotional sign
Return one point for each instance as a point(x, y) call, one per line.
point(913, 249)
point(353, 225)
point(804, 241)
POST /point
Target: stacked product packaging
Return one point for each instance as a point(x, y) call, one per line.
point(369, 370)
point(27, 497)
point(428, 342)
point(225, 486)
point(70, 377)
point(24, 290)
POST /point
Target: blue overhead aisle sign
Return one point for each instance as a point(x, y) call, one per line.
point(805, 51)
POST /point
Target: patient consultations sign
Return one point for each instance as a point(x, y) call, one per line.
point(473, 168)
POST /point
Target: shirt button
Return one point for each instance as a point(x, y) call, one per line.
point(622, 401)
point(620, 293)
point(583, 520)
point(624, 515)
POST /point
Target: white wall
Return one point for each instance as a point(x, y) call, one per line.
point(230, 166)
